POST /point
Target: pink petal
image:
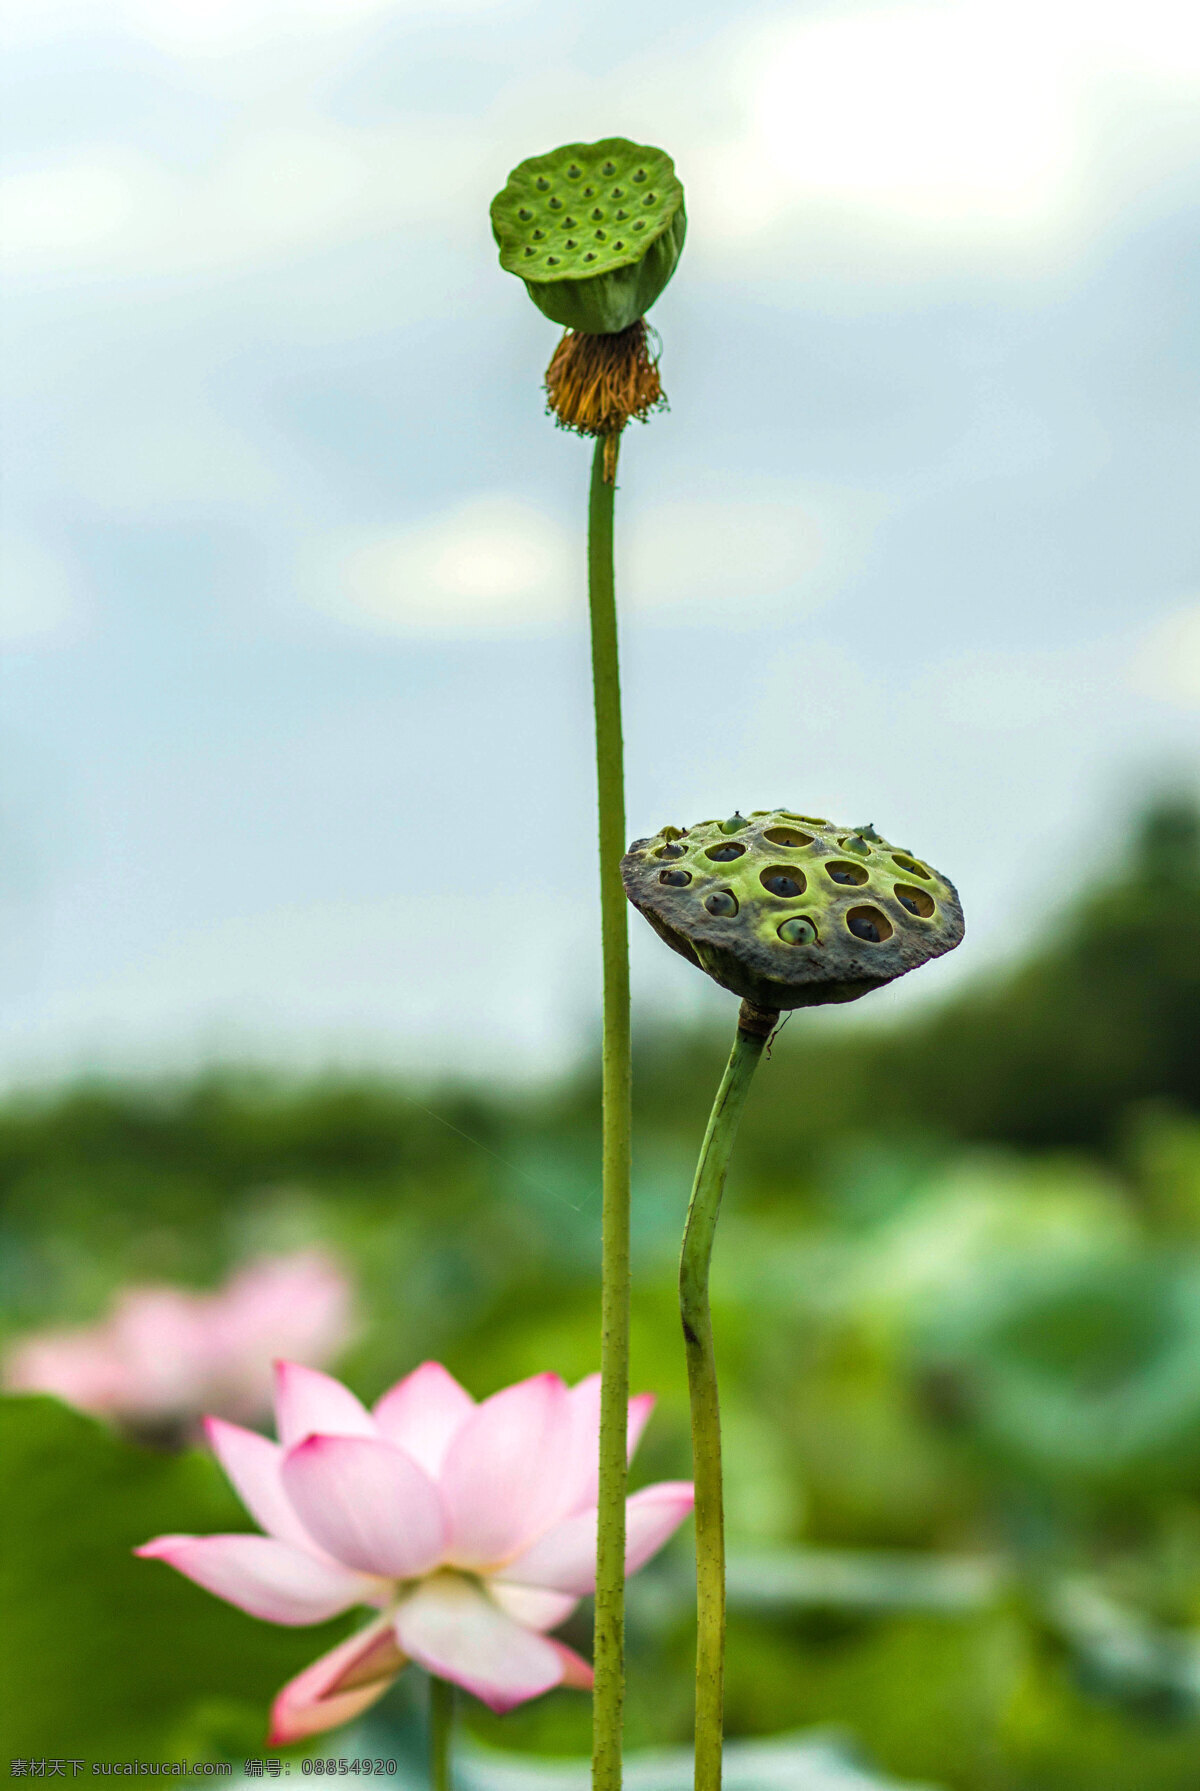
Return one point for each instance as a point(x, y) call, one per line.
point(267, 1578)
point(453, 1629)
point(504, 1473)
point(652, 1517)
point(338, 1687)
point(309, 1403)
point(252, 1465)
point(640, 1408)
point(585, 1424)
point(297, 1306)
point(564, 1559)
point(531, 1606)
point(367, 1503)
point(81, 1366)
point(423, 1413)
point(577, 1674)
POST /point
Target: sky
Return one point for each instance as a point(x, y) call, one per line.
point(295, 733)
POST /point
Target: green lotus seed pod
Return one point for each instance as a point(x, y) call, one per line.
point(594, 230)
point(790, 911)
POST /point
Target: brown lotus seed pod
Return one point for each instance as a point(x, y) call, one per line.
point(790, 910)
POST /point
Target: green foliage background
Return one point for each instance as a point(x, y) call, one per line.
point(958, 1289)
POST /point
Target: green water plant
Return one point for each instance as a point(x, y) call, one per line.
point(786, 910)
point(595, 230)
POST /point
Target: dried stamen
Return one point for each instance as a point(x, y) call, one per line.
point(597, 384)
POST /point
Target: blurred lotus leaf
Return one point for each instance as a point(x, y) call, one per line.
point(803, 1762)
point(101, 1658)
point(1077, 1371)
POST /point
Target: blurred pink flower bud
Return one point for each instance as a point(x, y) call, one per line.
point(470, 1529)
point(166, 1355)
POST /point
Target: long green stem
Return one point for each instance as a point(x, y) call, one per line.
point(609, 1648)
point(754, 1028)
point(441, 1724)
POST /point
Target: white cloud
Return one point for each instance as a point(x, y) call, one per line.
point(728, 551)
point(490, 563)
point(496, 562)
point(38, 602)
point(1166, 663)
point(71, 210)
point(270, 194)
point(937, 114)
point(917, 124)
point(205, 28)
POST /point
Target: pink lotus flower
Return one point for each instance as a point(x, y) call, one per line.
point(470, 1528)
point(166, 1355)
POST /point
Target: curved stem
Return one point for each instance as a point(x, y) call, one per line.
point(441, 1723)
point(609, 1700)
point(754, 1028)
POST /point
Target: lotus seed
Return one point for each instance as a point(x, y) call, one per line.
point(648, 200)
point(734, 824)
point(641, 224)
point(907, 902)
point(572, 244)
point(840, 874)
point(857, 845)
point(556, 204)
point(553, 260)
point(671, 850)
point(524, 214)
point(609, 168)
point(723, 854)
point(782, 886)
point(622, 214)
point(600, 236)
point(589, 192)
point(618, 192)
point(573, 172)
point(721, 902)
point(798, 931)
point(862, 928)
point(640, 175)
point(676, 878)
point(618, 246)
point(542, 183)
point(590, 256)
point(568, 223)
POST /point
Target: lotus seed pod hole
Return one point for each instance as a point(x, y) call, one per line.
point(910, 865)
point(789, 836)
point(782, 880)
point(869, 924)
point(917, 901)
point(846, 873)
point(799, 930)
